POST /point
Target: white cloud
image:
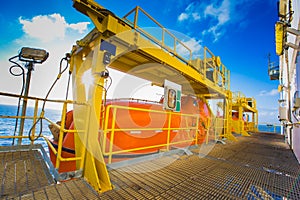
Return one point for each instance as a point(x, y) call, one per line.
point(193, 44)
point(221, 14)
point(57, 36)
point(81, 27)
point(189, 13)
point(196, 16)
point(266, 117)
point(190, 7)
point(183, 16)
point(49, 27)
point(273, 92)
point(214, 31)
point(217, 14)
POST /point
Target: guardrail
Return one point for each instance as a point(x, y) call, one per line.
point(216, 129)
point(210, 67)
point(172, 45)
point(33, 136)
point(215, 70)
point(189, 123)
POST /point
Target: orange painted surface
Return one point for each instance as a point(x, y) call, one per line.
point(139, 120)
point(68, 147)
point(126, 119)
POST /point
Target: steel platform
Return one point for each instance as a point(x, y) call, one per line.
point(257, 167)
point(260, 166)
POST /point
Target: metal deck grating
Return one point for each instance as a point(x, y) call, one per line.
point(25, 175)
point(22, 171)
point(75, 189)
point(257, 167)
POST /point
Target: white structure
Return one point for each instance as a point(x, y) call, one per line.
point(287, 32)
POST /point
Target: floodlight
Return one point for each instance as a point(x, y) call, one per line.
point(31, 56)
point(28, 54)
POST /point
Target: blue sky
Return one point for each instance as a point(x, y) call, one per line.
point(240, 32)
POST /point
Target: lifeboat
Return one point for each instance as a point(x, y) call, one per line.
point(68, 146)
point(140, 123)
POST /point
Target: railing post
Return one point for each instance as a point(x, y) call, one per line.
point(197, 129)
point(104, 137)
point(169, 131)
point(34, 120)
point(175, 45)
point(163, 37)
point(61, 136)
point(135, 17)
point(204, 62)
point(111, 142)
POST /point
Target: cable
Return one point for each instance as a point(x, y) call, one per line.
point(68, 85)
point(22, 90)
point(40, 119)
point(105, 89)
point(110, 82)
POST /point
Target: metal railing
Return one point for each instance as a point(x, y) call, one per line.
point(111, 128)
point(34, 136)
point(208, 67)
point(214, 71)
point(238, 97)
point(217, 129)
point(162, 42)
point(251, 126)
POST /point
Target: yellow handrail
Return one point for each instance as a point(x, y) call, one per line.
point(161, 43)
point(35, 117)
point(113, 130)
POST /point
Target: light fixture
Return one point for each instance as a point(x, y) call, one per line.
point(28, 54)
point(31, 56)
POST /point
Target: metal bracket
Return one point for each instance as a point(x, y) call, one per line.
point(293, 31)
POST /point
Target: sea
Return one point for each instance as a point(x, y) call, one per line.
point(271, 128)
point(7, 125)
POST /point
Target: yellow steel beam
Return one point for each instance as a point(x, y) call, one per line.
point(140, 54)
point(228, 116)
point(242, 105)
point(87, 64)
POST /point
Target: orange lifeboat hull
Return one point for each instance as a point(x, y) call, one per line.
point(68, 151)
point(140, 125)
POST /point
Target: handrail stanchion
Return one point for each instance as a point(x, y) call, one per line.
point(105, 129)
point(169, 131)
point(34, 120)
point(61, 135)
point(135, 17)
point(197, 130)
point(111, 142)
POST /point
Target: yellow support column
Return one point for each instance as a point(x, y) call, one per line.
point(89, 88)
point(241, 127)
point(228, 117)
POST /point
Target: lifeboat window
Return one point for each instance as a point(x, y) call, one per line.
point(195, 103)
point(171, 98)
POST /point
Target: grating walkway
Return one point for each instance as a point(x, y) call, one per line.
point(22, 171)
point(25, 175)
point(257, 167)
point(75, 189)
